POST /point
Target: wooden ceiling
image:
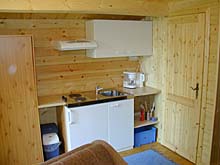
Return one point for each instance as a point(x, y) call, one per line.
point(110, 7)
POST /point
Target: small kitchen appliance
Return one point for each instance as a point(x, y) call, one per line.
point(133, 79)
point(130, 80)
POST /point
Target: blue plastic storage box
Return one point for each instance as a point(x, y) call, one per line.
point(144, 135)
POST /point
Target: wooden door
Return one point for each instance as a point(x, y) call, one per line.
point(20, 140)
point(184, 72)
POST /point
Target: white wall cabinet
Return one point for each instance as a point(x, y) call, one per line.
point(117, 38)
point(112, 122)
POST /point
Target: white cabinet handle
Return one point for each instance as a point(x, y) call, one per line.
point(115, 105)
point(70, 118)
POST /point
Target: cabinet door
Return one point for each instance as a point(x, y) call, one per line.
point(19, 119)
point(86, 124)
point(121, 124)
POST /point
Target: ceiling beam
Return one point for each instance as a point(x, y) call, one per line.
point(119, 7)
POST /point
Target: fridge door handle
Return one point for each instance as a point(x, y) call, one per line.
point(115, 105)
point(70, 118)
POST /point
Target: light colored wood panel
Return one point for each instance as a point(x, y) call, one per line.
point(182, 7)
point(128, 7)
point(183, 19)
point(40, 23)
point(44, 37)
point(142, 91)
point(138, 123)
point(186, 7)
point(86, 66)
point(185, 134)
point(44, 52)
point(62, 126)
point(211, 9)
point(155, 67)
point(201, 147)
point(86, 80)
point(76, 76)
point(73, 59)
point(66, 66)
point(168, 138)
point(20, 132)
point(185, 68)
point(78, 86)
point(145, 100)
point(181, 99)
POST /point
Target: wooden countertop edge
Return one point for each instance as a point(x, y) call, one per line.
point(51, 105)
point(143, 91)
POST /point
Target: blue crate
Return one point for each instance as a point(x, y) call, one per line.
point(144, 135)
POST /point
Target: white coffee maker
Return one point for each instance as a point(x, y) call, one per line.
point(129, 80)
point(133, 79)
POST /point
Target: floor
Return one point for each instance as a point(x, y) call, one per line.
point(161, 149)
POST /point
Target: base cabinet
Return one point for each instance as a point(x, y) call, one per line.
point(121, 124)
point(85, 124)
point(112, 122)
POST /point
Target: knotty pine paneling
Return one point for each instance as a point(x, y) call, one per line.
point(67, 71)
point(156, 65)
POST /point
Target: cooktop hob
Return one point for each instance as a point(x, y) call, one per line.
point(74, 98)
point(74, 95)
point(80, 99)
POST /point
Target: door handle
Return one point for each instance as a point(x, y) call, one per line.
point(70, 118)
point(196, 89)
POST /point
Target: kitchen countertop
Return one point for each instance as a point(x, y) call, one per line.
point(56, 100)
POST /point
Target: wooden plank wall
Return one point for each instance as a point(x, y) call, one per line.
point(156, 67)
point(67, 71)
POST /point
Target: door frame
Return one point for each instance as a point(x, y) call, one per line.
point(215, 153)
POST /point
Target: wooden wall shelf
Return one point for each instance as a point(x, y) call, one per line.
point(143, 91)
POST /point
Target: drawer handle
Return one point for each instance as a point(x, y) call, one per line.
point(70, 119)
point(115, 105)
